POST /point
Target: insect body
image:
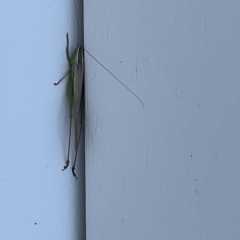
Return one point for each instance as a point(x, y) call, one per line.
point(75, 94)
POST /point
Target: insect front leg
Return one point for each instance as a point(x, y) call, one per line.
point(61, 78)
point(67, 50)
point(69, 61)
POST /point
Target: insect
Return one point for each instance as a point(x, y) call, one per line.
point(76, 94)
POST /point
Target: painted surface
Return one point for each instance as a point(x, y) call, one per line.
point(169, 170)
point(38, 200)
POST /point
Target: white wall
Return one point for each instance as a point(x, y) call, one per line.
point(38, 200)
point(169, 170)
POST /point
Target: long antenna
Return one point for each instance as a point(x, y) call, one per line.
point(115, 77)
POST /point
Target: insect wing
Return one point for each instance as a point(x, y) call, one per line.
point(78, 75)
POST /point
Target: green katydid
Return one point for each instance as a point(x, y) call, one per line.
point(75, 92)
